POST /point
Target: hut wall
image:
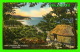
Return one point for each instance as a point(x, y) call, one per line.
point(64, 39)
point(67, 40)
point(60, 38)
point(72, 40)
point(52, 37)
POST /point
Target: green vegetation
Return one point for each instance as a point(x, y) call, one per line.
point(14, 30)
point(12, 23)
point(19, 18)
point(11, 34)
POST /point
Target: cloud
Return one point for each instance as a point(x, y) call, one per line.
point(21, 13)
point(33, 13)
point(40, 13)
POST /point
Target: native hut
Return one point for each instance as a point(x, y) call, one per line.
point(62, 33)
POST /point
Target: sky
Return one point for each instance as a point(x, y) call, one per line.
point(35, 11)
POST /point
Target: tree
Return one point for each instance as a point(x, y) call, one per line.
point(49, 21)
point(61, 12)
point(73, 15)
point(8, 8)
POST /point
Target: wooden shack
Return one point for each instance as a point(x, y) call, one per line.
point(62, 33)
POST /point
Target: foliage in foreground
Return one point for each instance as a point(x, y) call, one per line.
point(10, 34)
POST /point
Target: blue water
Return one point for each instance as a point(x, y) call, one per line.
point(33, 21)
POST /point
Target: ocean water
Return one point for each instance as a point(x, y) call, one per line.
point(33, 21)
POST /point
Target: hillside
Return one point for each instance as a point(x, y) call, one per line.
point(20, 17)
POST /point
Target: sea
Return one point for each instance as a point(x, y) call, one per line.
point(33, 21)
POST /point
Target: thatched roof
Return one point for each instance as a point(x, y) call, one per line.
point(64, 30)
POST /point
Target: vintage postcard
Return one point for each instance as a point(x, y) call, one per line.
point(40, 25)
